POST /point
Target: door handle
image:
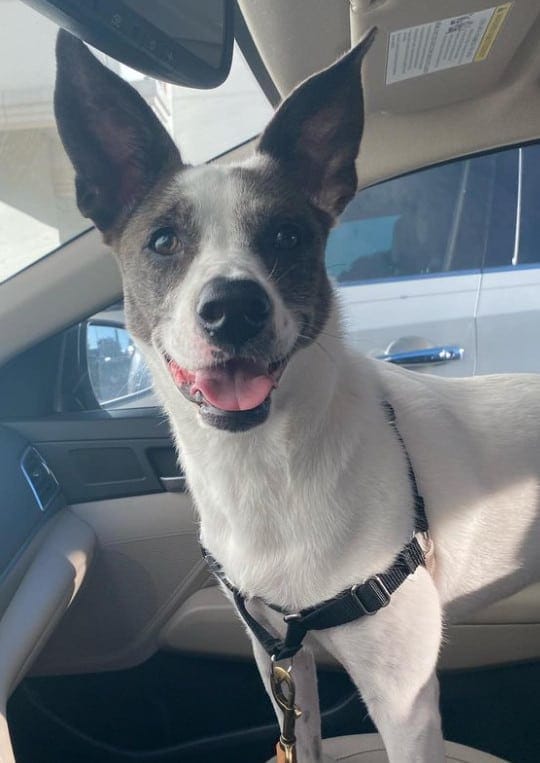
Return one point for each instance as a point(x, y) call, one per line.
point(424, 356)
point(175, 484)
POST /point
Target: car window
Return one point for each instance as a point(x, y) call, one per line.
point(503, 194)
point(528, 249)
point(515, 195)
point(433, 221)
point(38, 212)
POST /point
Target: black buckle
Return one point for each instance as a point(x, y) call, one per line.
point(379, 589)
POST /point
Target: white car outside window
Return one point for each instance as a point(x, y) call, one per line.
point(447, 259)
point(408, 257)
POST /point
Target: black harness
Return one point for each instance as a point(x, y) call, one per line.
point(360, 600)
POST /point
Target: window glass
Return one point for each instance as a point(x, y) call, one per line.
point(37, 196)
point(433, 221)
point(503, 202)
point(529, 222)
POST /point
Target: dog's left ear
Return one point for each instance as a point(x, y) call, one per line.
point(315, 134)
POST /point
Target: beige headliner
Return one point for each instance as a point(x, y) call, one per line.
point(420, 121)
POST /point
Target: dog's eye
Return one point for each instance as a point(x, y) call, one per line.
point(287, 236)
point(164, 241)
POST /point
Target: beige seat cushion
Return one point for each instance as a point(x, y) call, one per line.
point(368, 748)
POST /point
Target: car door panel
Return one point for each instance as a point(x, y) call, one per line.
point(41, 584)
point(147, 563)
point(508, 321)
point(430, 311)
point(106, 454)
point(115, 470)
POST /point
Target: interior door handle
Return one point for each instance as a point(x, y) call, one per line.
point(175, 484)
point(424, 356)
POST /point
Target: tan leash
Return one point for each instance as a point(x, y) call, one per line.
point(283, 691)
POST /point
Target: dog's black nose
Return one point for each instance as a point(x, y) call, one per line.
point(232, 311)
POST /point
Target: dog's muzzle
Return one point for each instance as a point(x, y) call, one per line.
point(234, 395)
point(236, 317)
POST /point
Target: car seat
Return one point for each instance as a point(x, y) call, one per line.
point(368, 748)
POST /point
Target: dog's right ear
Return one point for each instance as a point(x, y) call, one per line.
point(116, 143)
point(315, 134)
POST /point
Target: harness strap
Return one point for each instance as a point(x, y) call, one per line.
point(361, 600)
point(420, 519)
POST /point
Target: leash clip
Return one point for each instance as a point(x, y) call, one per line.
point(283, 691)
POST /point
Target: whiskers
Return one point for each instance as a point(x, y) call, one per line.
point(275, 280)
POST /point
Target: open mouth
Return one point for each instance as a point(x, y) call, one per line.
point(234, 395)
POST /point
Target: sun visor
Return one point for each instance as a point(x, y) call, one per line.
point(436, 54)
point(442, 80)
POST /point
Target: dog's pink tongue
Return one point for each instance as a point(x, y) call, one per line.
point(238, 386)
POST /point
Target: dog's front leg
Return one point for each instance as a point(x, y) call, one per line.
point(411, 727)
point(391, 657)
point(308, 726)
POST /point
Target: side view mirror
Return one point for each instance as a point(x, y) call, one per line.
point(117, 372)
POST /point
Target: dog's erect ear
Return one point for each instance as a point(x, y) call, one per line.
point(315, 134)
point(116, 144)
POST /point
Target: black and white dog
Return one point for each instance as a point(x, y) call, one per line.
point(301, 484)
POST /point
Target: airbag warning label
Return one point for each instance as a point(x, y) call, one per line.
point(443, 44)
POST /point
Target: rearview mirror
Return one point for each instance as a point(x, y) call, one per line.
point(184, 42)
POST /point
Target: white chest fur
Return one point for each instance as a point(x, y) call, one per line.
point(298, 508)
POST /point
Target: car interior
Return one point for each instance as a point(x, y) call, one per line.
point(116, 644)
